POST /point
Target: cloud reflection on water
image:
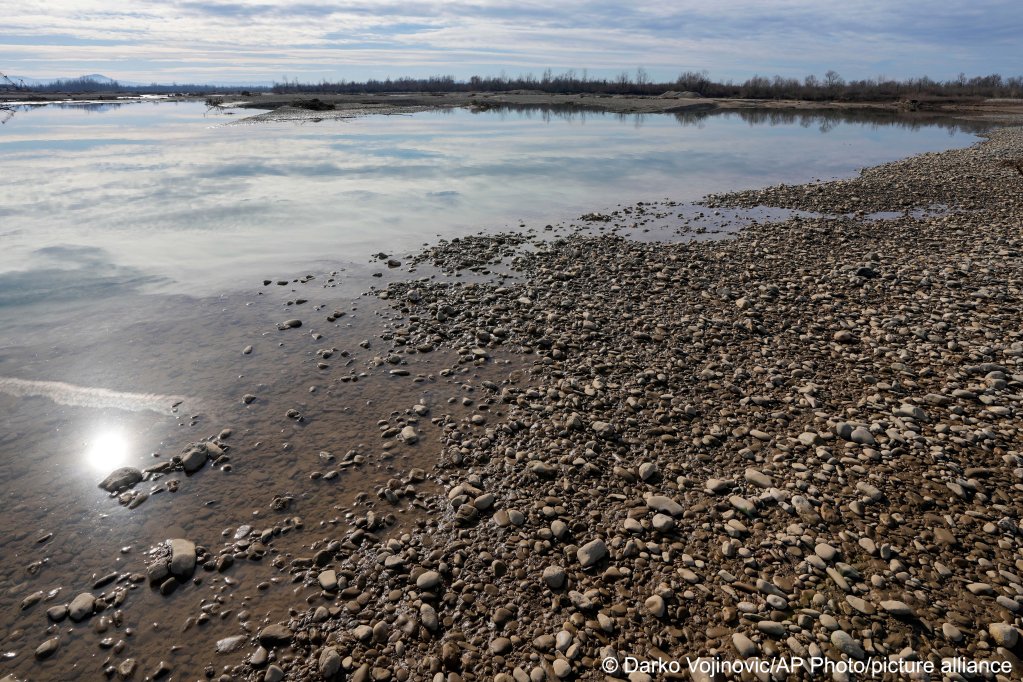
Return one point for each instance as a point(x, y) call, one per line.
point(157, 195)
point(68, 273)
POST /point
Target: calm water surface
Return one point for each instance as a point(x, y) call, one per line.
point(165, 198)
point(134, 241)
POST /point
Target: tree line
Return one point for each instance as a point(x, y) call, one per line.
point(830, 86)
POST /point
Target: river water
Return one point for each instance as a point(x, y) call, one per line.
point(135, 240)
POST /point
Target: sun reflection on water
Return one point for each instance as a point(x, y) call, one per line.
point(107, 450)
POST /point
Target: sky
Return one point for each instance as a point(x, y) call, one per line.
point(262, 41)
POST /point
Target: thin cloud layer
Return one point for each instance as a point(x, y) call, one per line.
point(265, 40)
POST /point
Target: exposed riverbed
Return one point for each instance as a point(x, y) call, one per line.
point(332, 445)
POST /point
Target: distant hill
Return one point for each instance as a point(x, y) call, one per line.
point(97, 78)
point(98, 83)
point(41, 82)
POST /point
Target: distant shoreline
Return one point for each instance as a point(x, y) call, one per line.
point(344, 105)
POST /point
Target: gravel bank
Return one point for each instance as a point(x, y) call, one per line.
point(803, 441)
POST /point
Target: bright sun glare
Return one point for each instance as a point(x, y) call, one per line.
point(107, 450)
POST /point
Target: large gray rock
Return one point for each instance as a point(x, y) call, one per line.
point(121, 479)
point(182, 563)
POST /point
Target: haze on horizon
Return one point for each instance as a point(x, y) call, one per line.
point(260, 41)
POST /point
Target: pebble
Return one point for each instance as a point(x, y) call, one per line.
point(848, 645)
point(57, 613)
point(664, 504)
point(229, 645)
point(655, 606)
point(744, 646)
point(772, 628)
point(183, 557)
point(275, 635)
point(428, 580)
point(1003, 634)
point(554, 576)
point(826, 552)
point(501, 645)
point(194, 458)
point(328, 580)
point(121, 479)
point(862, 436)
point(648, 471)
point(47, 648)
point(81, 607)
point(662, 523)
point(898, 609)
point(408, 434)
point(592, 552)
point(759, 479)
point(329, 662)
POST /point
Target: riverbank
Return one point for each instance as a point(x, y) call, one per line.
point(303, 106)
point(526, 453)
point(803, 441)
point(296, 106)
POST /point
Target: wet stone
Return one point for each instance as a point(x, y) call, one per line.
point(275, 635)
point(81, 607)
point(183, 557)
point(121, 479)
point(47, 648)
point(229, 645)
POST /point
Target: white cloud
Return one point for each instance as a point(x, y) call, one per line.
point(261, 40)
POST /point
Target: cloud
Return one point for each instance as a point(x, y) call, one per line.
point(261, 40)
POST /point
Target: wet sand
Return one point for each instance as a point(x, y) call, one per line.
point(523, 454)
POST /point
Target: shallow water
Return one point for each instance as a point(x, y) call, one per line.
point(135, 241)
